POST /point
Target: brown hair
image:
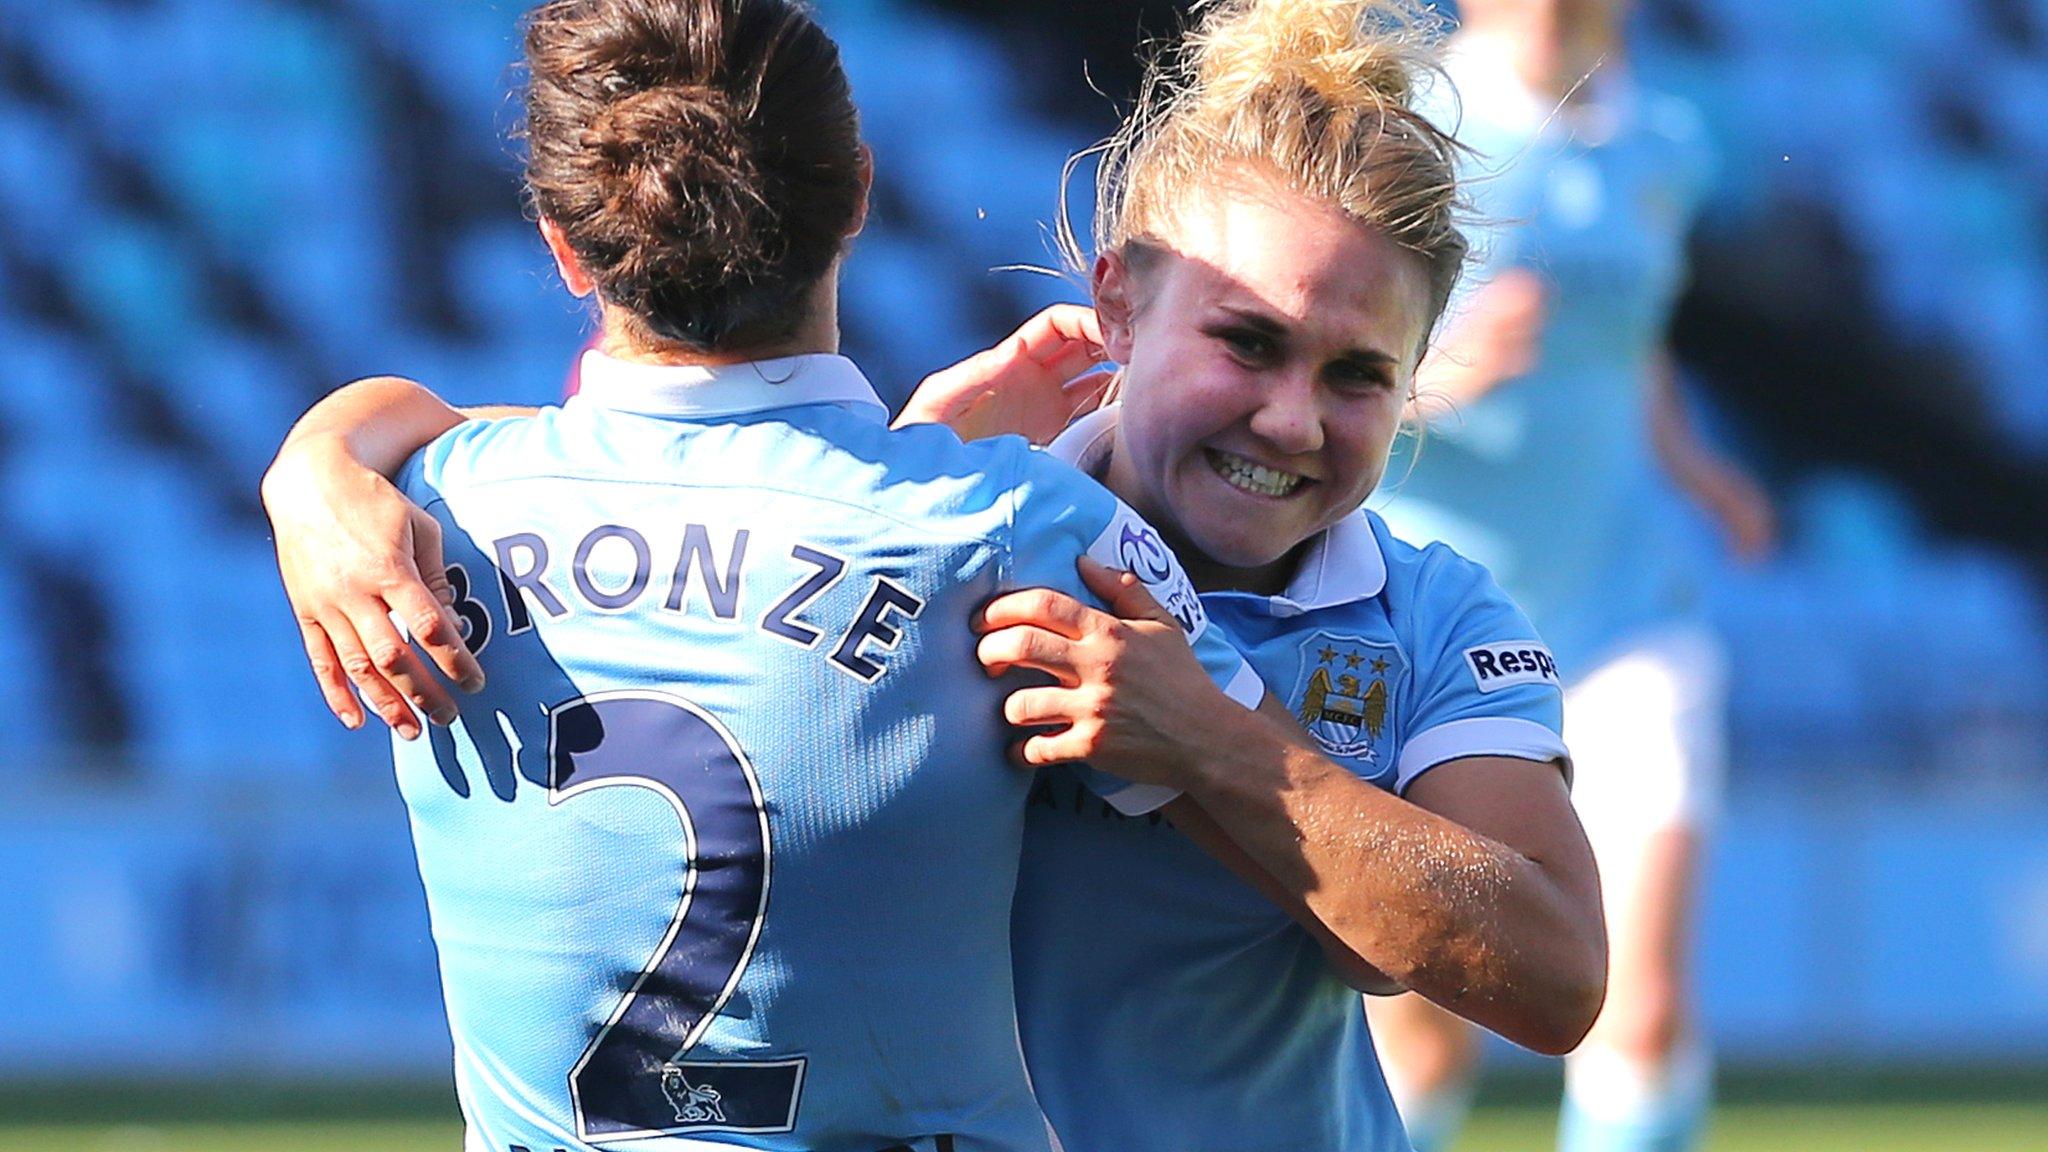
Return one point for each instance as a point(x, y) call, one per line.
point(1317, 95)
point(702, 157)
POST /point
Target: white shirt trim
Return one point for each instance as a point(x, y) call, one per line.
point(1142, 799)
point(1246, 687)
point(1480, 736)
point(1344, 563)
point(1085, 443)
point(1139, 799)
point(696, 390)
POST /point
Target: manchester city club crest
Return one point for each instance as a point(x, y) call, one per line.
point(1344, 696)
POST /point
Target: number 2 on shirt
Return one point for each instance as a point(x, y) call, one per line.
point(633, 1079)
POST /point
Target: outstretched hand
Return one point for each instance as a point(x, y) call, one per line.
point(1131, 698)
point(1032, 384)
point(353, 550)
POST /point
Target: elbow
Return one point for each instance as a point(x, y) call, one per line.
point(1574, 991)
point(1565, 1020)
point(1559, 1020)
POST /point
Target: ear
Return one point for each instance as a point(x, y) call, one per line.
point(1113, 306)
point(867, 188)
point(578, 281)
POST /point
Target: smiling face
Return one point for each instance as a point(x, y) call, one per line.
point(1267, 357)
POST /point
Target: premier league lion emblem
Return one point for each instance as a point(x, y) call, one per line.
point(1345, 694)
point(693, 1104)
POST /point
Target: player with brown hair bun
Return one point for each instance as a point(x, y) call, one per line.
point(701, 869)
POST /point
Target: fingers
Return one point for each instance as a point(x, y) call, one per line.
point(1076, 322)
point(1044, 608)
point(1024, 646)
point(1048, 707)
point(434, 626)
point(1072, 360)
point(429, 697)
point(1061, 333)
point(327, 673)
point(362, 670)
point(1065, 340)
point(427, 606)
point(1086, 392)
point(1040, 749)
point(1125, 594)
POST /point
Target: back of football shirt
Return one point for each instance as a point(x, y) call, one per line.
point(725, 851)
point(726, 847)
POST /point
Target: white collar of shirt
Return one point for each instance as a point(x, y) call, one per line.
point(1344, 563)
point(696, 390)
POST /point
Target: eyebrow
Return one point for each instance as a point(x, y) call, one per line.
point(1265, 324)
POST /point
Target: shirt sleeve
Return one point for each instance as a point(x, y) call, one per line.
point(444, 460)
point(447, 462)
point(1485, 685)
point(1060, 514)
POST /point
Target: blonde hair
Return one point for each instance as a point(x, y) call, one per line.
point(1317, 95)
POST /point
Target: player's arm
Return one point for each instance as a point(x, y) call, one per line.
point(1201, 828)
point(1717, 484)
point(354, 552)
point(1478, 892)
point(1032, 384)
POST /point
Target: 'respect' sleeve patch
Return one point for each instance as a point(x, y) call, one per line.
point(1498, 666)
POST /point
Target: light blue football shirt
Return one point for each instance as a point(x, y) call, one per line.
point(1549, 480)
point(724, 853)
point(1167, 1005)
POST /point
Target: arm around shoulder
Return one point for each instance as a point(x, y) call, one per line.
point(354, 552)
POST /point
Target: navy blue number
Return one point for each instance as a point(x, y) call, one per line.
point(633, 1078)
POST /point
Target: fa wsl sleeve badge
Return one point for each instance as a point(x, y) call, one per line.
point(1345, 695)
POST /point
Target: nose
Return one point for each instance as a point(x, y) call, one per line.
point(1289, 416)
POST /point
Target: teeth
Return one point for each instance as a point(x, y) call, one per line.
point(1254, 478)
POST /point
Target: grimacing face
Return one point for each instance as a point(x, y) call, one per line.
point(1268, 346)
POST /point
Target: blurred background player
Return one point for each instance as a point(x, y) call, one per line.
point(1549, 422)
point(1276, 235)
point(700, 863)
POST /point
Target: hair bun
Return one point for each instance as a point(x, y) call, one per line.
point(676, 164)
point(702, 157)
point(1347, 51)
point(1318, 96)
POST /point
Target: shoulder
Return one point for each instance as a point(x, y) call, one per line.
point(1045, 483)
point(481, 450)
point(1431, 577)
point(923, 452)
point(1447, 607)
point(1484, 683)
point(999, 469)
point(1000, 488)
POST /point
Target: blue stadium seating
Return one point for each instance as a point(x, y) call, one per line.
point(279, 194)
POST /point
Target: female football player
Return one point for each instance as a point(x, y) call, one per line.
point(1276, 239)
point(1545, 467)
point(699, 862)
